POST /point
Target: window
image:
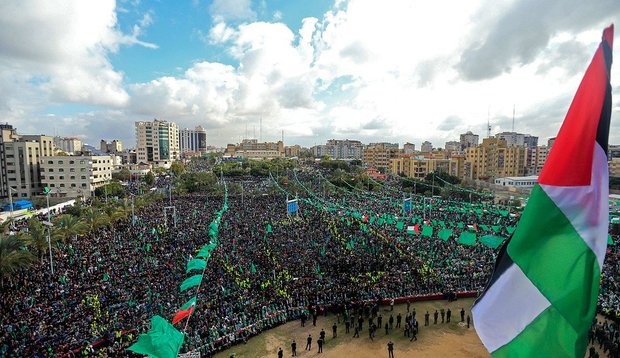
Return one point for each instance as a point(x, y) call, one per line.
point(50, 162)
point(51, 170)
point(72, 162)
point(62, 185)
point(51, 177)
point(72, 170)
point(83, 177)
point(83, 185)
point(60, 162)
point(73, 185)
point(82, 161)
point(82, 169)
point(61, 170)
point(73, 177)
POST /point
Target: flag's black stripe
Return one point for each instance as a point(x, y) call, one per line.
point(602, 133)
point(501, 265)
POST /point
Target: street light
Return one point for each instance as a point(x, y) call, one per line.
point(49, 241)
point(11, 199)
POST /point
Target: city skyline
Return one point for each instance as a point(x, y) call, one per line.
point(315, 71)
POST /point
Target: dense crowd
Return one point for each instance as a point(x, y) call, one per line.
point(342, 247)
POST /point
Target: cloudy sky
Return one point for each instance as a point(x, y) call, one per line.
point(393, 70)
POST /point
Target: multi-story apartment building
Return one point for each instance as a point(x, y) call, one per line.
point(453, 146)
point(468, 140)
point(113, 147)
point(539, 156)
point(157, 142)
point(340, 149)
point(614, 167)
point(19, 161)
point(253, 149)
point(494, 159)
point(74, 176)
point(420, 166)
point(193, 140)
point(427, 147)
point(292, 151)
point(409, 148)
point(69, 145)
point(380, 156)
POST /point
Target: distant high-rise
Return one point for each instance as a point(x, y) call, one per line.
point(193, 140)
point(340, 149)
point(514, 139)
point(469, 140)
point(157, 142)
point(409, 148)
point(69, 145)
point(113, 147)
point(427, 147)
point(453, 146)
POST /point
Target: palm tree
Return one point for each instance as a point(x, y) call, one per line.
point(69, 225)
point(37, 237)
point(94, 218)
point(13, 257)
point(5, 227)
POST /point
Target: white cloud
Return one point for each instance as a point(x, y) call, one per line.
point(223, 10)
point(63, 47)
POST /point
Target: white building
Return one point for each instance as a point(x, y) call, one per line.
point(340, 149)
point(69, 145)
point(469, 140)
point(514, 139)
point(19, 161)
point(453, 146)
point(193, 140)
point(518, 182)
point(427, 147)
point(157, 142)
point(409, 148)
point(73, 176)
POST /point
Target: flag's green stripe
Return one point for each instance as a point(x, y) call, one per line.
point(555, 258)
point(549, 335)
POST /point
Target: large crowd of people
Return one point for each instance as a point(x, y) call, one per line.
point(342, 248)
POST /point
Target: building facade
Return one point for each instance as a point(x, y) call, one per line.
point(19, 162)
point(69, 145)
point(157, 142)
point(113, 147)
point(340, 149)
point(469, 140)
point(193, 140)
point(253, 149)
point(614, 167)
point(518, 182)
point(426, 147)
point(418, 167)
point(494, 159)
point(409, 148)
point(379, 156)
point(73, 176)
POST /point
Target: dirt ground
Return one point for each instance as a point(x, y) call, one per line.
point(437, 340)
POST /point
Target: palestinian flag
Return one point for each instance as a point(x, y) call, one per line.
point(542, 297)
point(184, 311)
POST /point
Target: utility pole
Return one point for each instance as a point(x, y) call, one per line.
point(11, 200)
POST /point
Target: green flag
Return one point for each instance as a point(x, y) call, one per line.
point(427, 231)
point(205, 252)
point(196, 264)
point(610, 241)
point(191, 282)
point(106, 277)
point(510, 229)
point(269, 229)
point(492, 241)
point(496, 228)
point(400, 225)
point(467, 238)
point(162, 341)
point(188, 304)
point(253, 269)
point(445, 234)
point(460, 225)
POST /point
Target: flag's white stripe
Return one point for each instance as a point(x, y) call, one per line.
point(511, 303)
point(587, 207)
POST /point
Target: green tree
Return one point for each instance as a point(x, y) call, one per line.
point(113, 189)
point(94, 218)
point(36, 237)
point(13, 258)
point(122, 175)
point(149, 179)
point(68, 225)
point(177, 168)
